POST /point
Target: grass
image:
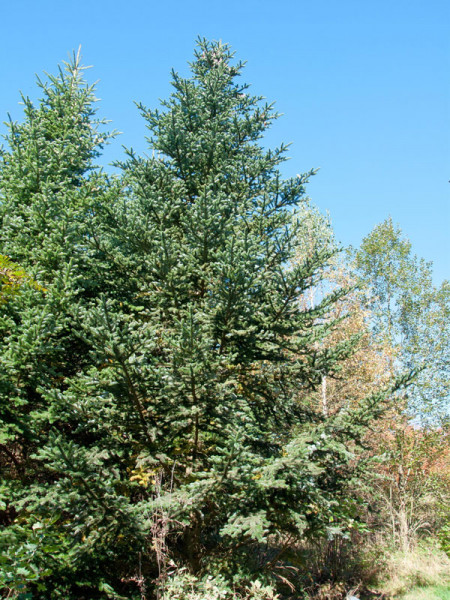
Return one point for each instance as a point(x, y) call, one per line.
point(436, 592)
point(423, 573)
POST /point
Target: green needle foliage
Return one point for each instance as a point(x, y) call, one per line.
point(156, 399)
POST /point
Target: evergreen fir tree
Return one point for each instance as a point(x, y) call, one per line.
point(50, 198)
point(212, 356)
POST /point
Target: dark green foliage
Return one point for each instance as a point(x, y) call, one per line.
point(153, 397)
point(50, 196)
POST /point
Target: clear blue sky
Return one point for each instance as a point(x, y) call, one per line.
point(364, 87)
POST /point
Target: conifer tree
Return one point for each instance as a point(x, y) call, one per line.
point(215, 350)
point(50, 197)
